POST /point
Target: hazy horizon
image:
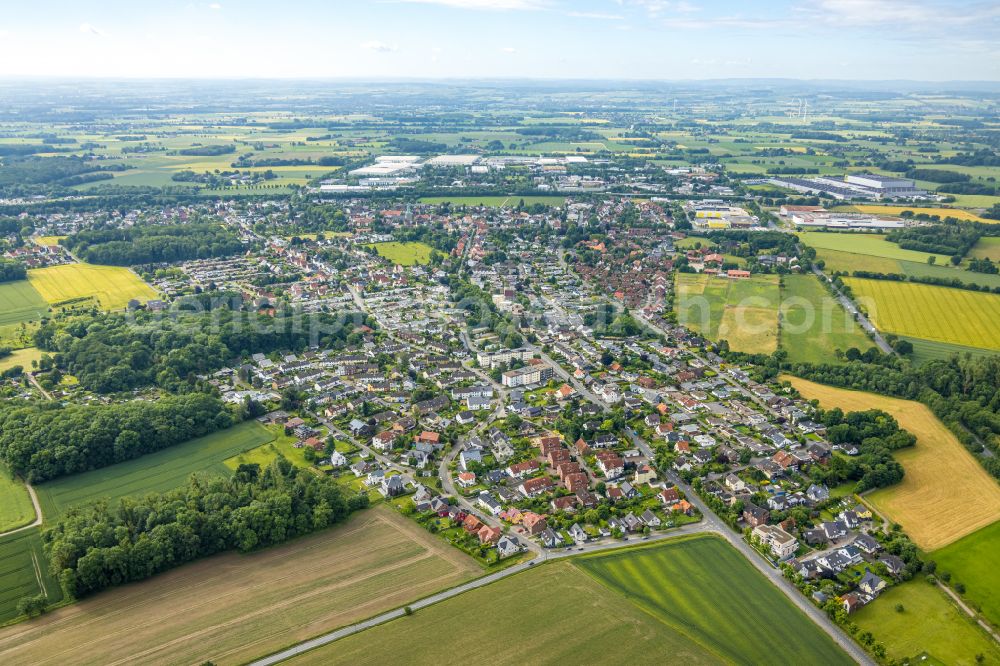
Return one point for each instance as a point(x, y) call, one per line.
point(658, 40)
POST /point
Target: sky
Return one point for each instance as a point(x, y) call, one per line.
point(546, 39)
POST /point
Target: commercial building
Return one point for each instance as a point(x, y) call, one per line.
point(854, 186)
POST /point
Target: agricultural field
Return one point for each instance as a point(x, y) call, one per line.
point(987, 247)
point(496, 201)
point(24, 572)
point(743, 312)
point(699, 586)
point(21, 357)
point(943, 213)
point(232, 608)
point(405, 254)
point(155, 472)
point(692, 242)
point(912, 268)
point(974, 561)
point(838, 261)
point(929, 350)
point(873, 245)
point(112, 286)
point(805, 300)
point(929, 312)
point(20, 302)
point(16, 509)
point(688, 599)
point(930, 623)
point(938, 469)
point(546, 607)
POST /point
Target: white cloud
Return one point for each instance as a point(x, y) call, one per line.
point(484, 4)
point(596, 15)
point(91, 30)
point(215, 5)
point(509, 49)
point(378, 47)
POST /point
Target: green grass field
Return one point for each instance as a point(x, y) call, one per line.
point(742, 312)
point(21, 357)
point(929, 623)
point(20, 302)
point(847, 262)
point(931, 350)
point(986, 248)
point(112, 286)
point(155, 472)
point(923, 311)
point(24, 572)
point(405, 254)
point(693, 241)
point(814, 323)
point(873, 245)
point(974, 561)
point(15, 505)
point(948, 273)
point(705, 589)
point(281, 446)
point(496, 202)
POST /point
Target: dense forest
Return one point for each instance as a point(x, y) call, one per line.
point(41, 441)
point(12, 270)
point(952, 238)
point(154, 244)
point(108, 354)
point(104, 545)
point(964, 392)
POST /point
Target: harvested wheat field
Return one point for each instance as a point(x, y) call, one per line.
point(233, 608)
point(945, 494)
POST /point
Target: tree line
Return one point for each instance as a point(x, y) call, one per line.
point(12, 270)
point(104, 545)
point(42, 441)
point(108, 355)
point(153, 244)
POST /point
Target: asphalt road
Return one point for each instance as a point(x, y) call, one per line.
point(862, 320)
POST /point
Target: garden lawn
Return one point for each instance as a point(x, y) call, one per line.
point(155, 472)
point(974, 561)
point(929, 623)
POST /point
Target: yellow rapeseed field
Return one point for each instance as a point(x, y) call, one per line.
point(957, 213)
point(933, 313)
point(112, 286)
point(945, 493)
